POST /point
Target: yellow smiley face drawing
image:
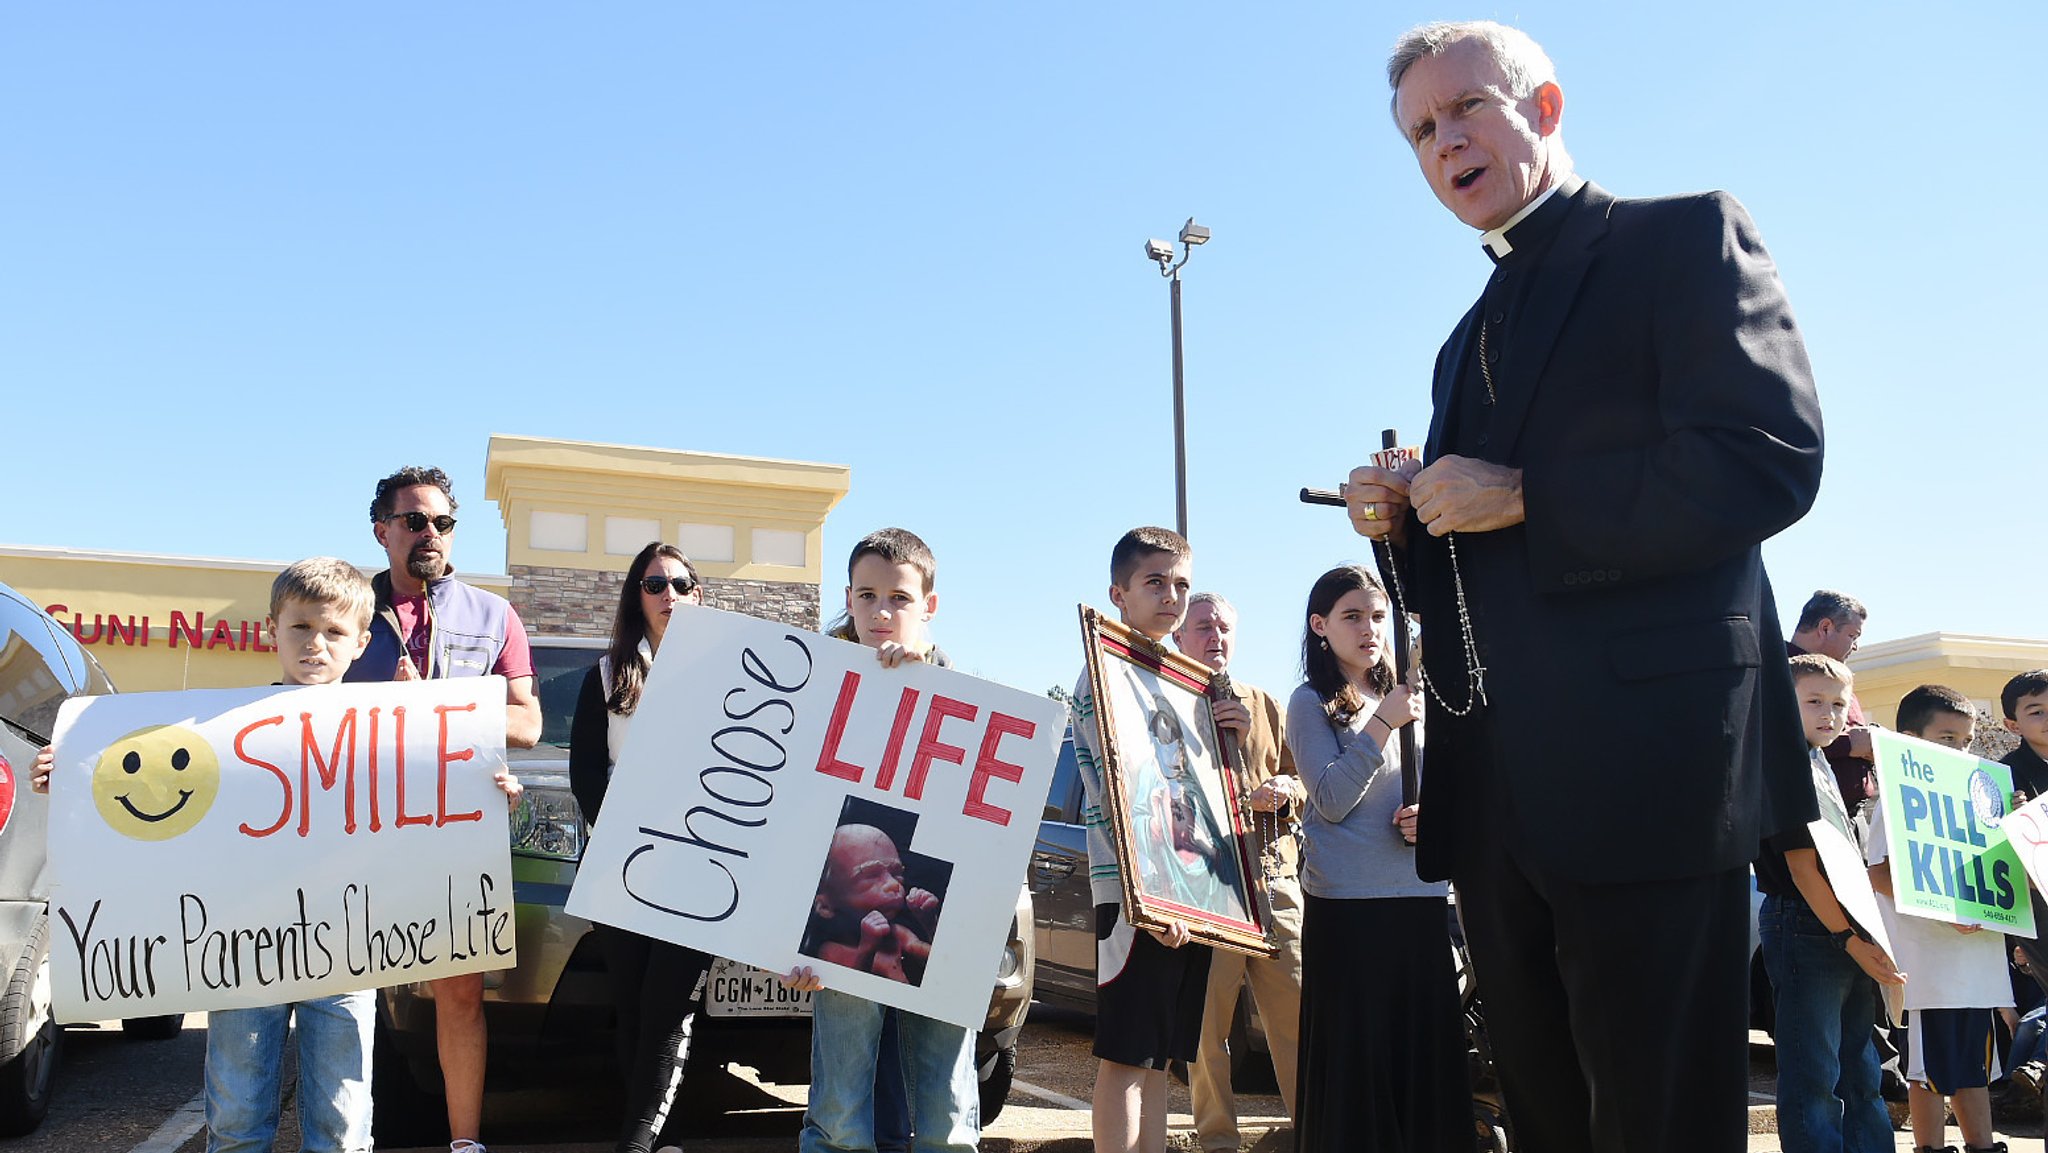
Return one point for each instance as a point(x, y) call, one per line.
point(156, 783)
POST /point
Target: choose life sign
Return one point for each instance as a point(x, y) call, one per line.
point(224, 848)
point(782, 799)
point(1945, 815)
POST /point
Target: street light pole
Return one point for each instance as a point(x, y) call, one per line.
point(1180, 422)
point(1191, 235)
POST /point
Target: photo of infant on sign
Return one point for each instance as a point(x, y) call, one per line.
point(877, 906)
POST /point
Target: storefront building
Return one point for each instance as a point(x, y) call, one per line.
point(1975, 666)
point(575, 514)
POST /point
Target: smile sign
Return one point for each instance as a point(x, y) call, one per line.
point(222, 848)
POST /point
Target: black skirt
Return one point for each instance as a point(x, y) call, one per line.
point(1382, 1042)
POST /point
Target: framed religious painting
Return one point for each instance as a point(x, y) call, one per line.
point(1176, 817)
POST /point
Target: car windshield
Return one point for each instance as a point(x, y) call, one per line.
point(40, 666)
point(1065, 779)
point(558, 676)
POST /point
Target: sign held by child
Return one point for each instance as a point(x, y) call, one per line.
point(1946, 817)
point(2027, 829)
point(226, 848)
point(783, 799)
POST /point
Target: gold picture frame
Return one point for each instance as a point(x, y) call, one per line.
point(1176, 816)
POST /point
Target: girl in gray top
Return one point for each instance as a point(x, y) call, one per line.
point(1382, 1044)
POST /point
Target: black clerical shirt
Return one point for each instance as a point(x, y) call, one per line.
point(1470, 429)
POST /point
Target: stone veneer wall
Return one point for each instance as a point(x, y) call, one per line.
point(580, 603)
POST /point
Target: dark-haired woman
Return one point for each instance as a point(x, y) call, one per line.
point(656, 985)
point(1382, 1046)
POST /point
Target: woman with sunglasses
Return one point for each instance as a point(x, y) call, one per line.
point(656, 986)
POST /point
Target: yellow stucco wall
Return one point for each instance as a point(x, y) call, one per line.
point(759, 502)
point(1976, 666)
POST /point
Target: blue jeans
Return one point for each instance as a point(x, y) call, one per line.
point(2028, 1039)
point(938, 1078)
point(892, 1107)
point(245, 1075)
point(1827, 1060)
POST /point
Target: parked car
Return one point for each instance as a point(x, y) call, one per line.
point(41, 667)
point(551, 1018)
point(1063, 928)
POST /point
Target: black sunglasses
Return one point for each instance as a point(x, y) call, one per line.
point(418, 522)
point(652, 586)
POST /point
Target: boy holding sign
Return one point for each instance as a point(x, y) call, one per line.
point(320, 619)
point(320, 612)
point(1822, 966)
point(1150, 986)
point(1956, 973)
point(889, 602)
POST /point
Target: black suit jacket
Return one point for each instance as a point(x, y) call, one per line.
point(1657, 397)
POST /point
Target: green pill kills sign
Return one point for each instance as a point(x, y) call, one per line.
point(1944, 817)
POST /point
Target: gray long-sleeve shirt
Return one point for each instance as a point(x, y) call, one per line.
point(1353, 850)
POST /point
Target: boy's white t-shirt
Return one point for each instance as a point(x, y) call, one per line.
point(1944, 969)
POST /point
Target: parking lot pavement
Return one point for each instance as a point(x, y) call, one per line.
point(142, 1097)
point(2021, 1133)
point(1047, 1111)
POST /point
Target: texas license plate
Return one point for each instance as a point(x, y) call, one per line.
point(737, 990)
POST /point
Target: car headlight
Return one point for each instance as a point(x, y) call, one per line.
point(1013, 960)
point(547, 822)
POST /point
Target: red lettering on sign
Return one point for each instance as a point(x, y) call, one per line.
point(930, 748)
point(124, 632)
point(893, 751)
point(191, 629)
point(443, 758)
point(986, 765)
point(222, 635)
point(828, 755)
point(329, 769)
point(283, 779)
point(375, 822)
point(398, 771)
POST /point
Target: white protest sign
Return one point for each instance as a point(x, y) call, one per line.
point(224, 848)
point(783, 799)
point(1847, 875)
point(1849, 878)
point(2027, 830)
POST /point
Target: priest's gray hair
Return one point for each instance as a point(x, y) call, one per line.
point(1222, 606)
point(1522, 61)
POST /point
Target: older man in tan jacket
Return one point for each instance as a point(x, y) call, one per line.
point(1208, 634)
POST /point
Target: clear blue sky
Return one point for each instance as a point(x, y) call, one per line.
point(254, 256)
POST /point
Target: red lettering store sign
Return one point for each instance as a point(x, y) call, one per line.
point(196, 631)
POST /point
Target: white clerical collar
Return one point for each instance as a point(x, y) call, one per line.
point(1496, 240)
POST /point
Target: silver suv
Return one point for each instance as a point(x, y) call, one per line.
point(553, 1013)
point(41, 667)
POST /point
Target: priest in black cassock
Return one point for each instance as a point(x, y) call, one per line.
point(1620, 421)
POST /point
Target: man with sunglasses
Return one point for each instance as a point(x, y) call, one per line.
point(430, 625)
